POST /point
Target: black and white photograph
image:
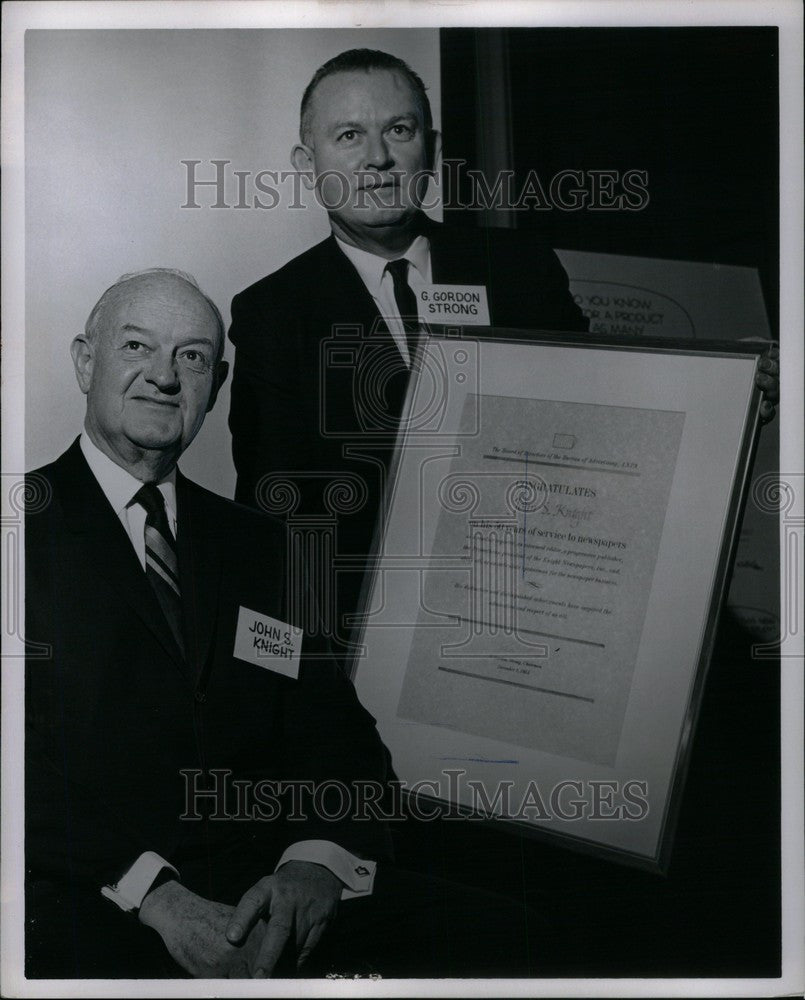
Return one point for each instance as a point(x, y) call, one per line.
point(403, 499)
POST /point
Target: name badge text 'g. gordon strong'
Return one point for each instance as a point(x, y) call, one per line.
point(466, 305)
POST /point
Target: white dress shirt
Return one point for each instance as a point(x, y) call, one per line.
point(380, 284)
point(119, 487)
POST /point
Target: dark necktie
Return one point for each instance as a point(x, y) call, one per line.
point(161, 565)
point(406, 303)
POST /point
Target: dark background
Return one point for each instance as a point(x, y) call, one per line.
point(695, 107)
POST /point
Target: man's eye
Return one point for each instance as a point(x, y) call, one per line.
point(133, 345)
point(193, 359)
point(401, 131)
point(348, 136)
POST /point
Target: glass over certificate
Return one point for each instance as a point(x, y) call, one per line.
point(552, 514)
point(558, 532)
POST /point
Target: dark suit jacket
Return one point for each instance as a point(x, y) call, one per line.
point(318, 383)
point(115, 714)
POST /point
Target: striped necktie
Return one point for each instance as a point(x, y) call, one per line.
point(406, 303)
point(161, 565)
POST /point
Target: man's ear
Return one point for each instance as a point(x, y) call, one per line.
point(304, 164)
point(221, 372)
point(82, 354)
point(433, 149)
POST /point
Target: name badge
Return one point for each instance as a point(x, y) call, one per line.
point(268, 643)
point(464, 305)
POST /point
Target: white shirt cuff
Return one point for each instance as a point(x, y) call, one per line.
point(133, 887)
point(357, 874)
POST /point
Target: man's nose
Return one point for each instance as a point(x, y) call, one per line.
point(163, 373)
point(378, 153)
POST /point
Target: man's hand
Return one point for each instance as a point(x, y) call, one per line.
point(767, 380)
point(193, 930)
point(301, 899)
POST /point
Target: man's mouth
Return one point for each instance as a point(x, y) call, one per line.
point(377, 187)
point(157, 402)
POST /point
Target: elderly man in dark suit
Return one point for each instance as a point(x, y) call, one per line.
point(149, 591)
point(197, 768)
point(325, 345)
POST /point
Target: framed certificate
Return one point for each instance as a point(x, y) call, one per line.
point(538, 620)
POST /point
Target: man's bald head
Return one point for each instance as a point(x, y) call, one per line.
point(127, 284)
point(149, 363)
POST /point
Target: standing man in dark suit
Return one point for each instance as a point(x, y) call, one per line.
point(192, 758)
point(325, 344)
point(323, 349)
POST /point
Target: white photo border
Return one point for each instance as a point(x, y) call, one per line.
point(787, 15)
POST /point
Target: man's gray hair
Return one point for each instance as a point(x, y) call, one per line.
point(95, 318)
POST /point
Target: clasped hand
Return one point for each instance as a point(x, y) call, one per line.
point(214, 940)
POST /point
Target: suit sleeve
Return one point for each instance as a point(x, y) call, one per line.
point(331, 743)
point(269, 409)
point(69, 829)
point(74, 845)
point(76, 840)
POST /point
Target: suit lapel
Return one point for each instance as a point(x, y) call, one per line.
point(199, 553)
point(456, 260)
point(341, 297)
point(108, 548)
point(380, 373)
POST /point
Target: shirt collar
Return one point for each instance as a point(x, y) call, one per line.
point(119, 486)
point(371, 267)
